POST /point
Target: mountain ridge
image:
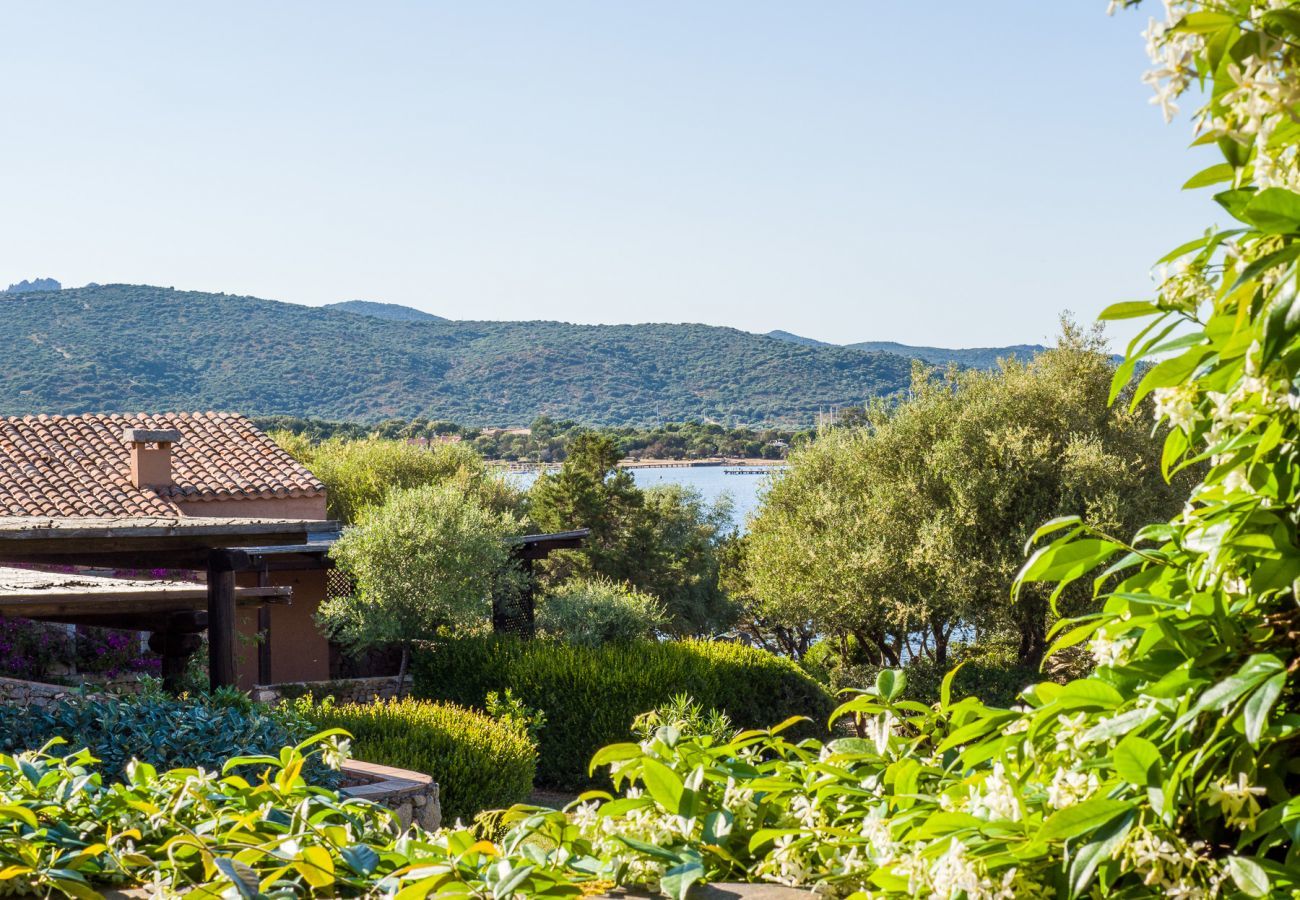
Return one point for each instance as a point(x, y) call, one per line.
point(973, 357)
point(393, 312)
point(112, 348)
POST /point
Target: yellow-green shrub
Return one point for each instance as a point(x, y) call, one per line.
point(478, 762)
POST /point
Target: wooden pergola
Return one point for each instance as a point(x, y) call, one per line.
point(175, 612)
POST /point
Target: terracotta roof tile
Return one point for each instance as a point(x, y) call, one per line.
point(80, 465)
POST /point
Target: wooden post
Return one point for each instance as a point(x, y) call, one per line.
point(264, 644)
point(175, 643)
point(221, 617)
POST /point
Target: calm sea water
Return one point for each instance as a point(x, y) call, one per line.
point(710, 481)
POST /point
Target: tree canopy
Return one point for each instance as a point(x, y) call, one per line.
point(907, 531)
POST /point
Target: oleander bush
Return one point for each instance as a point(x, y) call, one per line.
point(200, 730)
point(591, 695)
point(478, 762)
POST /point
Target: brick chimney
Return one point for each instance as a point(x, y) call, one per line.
point(151, 456)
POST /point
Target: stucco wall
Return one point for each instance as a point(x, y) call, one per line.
point(299, 651)
point(280, 508)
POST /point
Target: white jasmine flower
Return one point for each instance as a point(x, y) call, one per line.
point(1236, 799)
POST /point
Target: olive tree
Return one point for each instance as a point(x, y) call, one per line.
point(359, 473)
point(904, 532)
point(430, 557)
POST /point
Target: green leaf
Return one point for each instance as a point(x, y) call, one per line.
point(1235, 202)
point(1085, 861)
point(945, 687)
point(1274, 211)
point(21, 813)
point(614, 753)
point(663, 784)
point(241, 875)
point(506, 886)
point(717, 826)
point(1286, 21)
point(1064, 561)
point(1264, 263)
point(1249, 876)
point(361, 858)
point(1213, 175)
point(678, 879)
point(1260, 704)
point(1081, 818)
point(1204, 22)
point(1137, 761)
point(1050, 527)
point(1129, 309)
point(890, 683)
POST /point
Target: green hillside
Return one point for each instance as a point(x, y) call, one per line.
point(127, 347)
point(392, 311)
point(972, 357)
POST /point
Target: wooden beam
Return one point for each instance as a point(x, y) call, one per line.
point(25, 536)
point(221, 620)
point(47, 604)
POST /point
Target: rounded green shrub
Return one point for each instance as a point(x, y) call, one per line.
point(478, 762)
point(591, 612)
point(591, 695)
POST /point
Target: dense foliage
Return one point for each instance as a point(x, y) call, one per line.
point(358, 473)
point(203, 730)
point(590, 696)
point(430, 557)
point(664, 541)
point(892, 539)
point(64, 831)
point(478, 762)
point(94, 349)
point(592, 612)
point(547, 440)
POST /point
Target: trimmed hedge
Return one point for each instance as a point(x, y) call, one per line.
point(478, 762)
point(591, 695)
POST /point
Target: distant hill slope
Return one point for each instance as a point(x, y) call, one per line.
point(797, 339)
point(393, 312)
point(974, 357)
point(115, 348)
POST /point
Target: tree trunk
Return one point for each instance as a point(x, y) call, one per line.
point(941, 636)
point(401, 671)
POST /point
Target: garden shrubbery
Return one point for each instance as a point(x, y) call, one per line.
point(167, 732)
point(478, 762)
point(598, 611)
point(591, 696)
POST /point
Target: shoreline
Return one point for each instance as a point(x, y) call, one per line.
point(708, 462)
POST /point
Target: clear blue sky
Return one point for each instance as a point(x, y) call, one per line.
point(950, 173)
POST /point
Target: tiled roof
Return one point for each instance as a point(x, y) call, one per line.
point(80, 465)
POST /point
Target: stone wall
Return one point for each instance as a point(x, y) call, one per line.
point(16, 692)
point(346, 690)
point(412, 795)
